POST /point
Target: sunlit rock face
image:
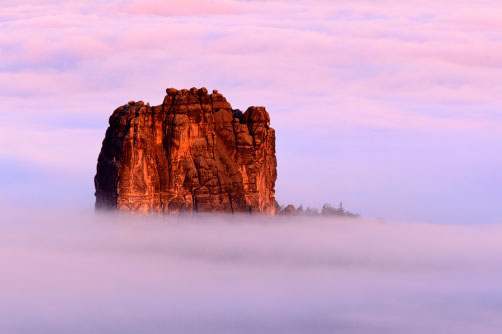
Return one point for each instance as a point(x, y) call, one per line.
point(193, 153)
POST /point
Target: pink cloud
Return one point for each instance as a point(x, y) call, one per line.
point(286, 53)
point(177, 7)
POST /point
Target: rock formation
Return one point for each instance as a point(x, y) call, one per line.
point(193, 153)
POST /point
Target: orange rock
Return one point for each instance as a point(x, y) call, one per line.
point(193, 153)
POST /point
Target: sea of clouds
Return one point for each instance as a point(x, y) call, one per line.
point(109, 273)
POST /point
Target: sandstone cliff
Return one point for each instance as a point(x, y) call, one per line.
point(193, 153)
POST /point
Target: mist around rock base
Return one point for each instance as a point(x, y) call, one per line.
point(67, 272)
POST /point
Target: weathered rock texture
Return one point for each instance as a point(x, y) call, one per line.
point(193, 153)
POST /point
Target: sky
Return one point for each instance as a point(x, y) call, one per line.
point(393, 107)
point(85, 273)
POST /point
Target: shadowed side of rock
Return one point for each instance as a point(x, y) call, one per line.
point(193, 153)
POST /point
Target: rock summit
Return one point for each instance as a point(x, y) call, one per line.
point(192, 153)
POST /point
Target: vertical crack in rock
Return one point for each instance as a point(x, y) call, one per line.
point(193, 153)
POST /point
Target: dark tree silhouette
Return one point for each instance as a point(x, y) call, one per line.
point(328, 210)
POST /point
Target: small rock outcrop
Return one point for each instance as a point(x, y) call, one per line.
point(192, 153)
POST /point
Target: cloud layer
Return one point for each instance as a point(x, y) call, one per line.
point(411, 87)
point(81, 273)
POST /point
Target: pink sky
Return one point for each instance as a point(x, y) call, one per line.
point(395, 106)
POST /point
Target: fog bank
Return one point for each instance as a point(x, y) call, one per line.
point(95, 273)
